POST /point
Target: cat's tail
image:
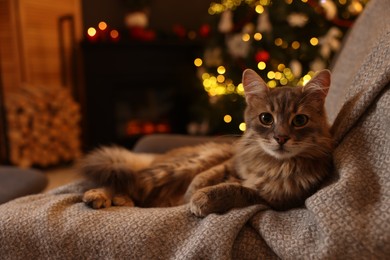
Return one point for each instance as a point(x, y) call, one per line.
point(114, 167)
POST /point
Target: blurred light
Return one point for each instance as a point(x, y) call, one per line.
point(192, 35)
point(102, 26)
point(295, 45)
point(91, 31)
point(259, 9)
point(283, 81)
point(342, 2)
point(314, 41)
point(272, 83)
point(205, 76)
point(240, 89)
point(230, 88)
point(278, 42)
point(278, 75)
point(261, 65)
point(265, 2)
point(306, 79)
point(220, 78)
point(246, 37)
point(198, 62)
point(271, 74)
point(242, 127)
point(258, 36)
point(221, 70)
point(227, 119)
point(281, 67)
point(114, 34)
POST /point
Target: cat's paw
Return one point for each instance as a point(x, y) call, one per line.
point(122, 200)
point(97, 199)
point(200, 204)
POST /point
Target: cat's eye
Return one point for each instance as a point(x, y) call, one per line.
point(266, 118)
point(300, 120)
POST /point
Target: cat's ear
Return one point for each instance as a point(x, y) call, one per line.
point(319, 83)
point(253, 84)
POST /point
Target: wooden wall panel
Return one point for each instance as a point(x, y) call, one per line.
point(29, 40)
point(9, 51)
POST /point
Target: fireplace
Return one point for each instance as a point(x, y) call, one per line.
point(137, 88)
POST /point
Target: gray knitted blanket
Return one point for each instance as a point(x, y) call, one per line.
point(348, 218)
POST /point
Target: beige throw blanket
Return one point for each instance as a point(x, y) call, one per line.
point(349, 218)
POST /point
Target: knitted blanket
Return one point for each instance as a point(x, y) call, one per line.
point(348, 218)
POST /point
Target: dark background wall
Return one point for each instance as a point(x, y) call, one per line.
point(163, 13)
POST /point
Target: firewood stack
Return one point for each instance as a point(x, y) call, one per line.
point(43, 126)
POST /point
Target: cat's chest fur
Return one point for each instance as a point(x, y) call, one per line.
point(282, 183)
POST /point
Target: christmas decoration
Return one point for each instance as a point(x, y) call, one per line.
point(287, 41)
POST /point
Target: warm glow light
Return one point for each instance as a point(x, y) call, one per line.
point(314, 41)
point(220, 78)
point(102, 26)
point(258, 36)
point(278, 42)
point(261, 65)
point(278, 75)
point(295, 45)
point(227, 119)
point(271, 83)
point(306, 79)
point(242, 126)
point(271, 74)
point(283, 81)
point(198, 62)
point(240, 89)
point(91, 31)
point(246, 37)
point(114, 34)
point(281, 67)
point(259, 9)
point(221, 70)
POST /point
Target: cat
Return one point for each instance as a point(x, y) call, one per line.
point(281, 159)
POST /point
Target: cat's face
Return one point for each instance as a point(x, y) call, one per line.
point(287, 121)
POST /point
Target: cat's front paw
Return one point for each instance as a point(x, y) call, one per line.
point(199, 204)
point(97, 198)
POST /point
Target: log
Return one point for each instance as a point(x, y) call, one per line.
point(43, 126)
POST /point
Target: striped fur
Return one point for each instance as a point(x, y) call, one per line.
point(279, 163)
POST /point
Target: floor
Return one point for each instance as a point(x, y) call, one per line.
point(60, 176)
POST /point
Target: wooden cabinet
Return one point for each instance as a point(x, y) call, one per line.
point(30, 41)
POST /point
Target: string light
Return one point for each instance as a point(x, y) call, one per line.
point(102, 26)
point(259, 9)
point(246, 37)
point(261, 65)
point(242, 127)
point(227, 119)
point(314, 41)
point(91, 31)
point(221, 70)
point(198, 62)
point(257, 36)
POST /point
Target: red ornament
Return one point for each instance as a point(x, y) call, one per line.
point(204, 30)
point(179, 30)
point(142, 34)
point(262, 56)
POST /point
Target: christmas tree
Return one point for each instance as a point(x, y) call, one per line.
point(286, 41)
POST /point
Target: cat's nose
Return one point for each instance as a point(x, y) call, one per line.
point(281, 139)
